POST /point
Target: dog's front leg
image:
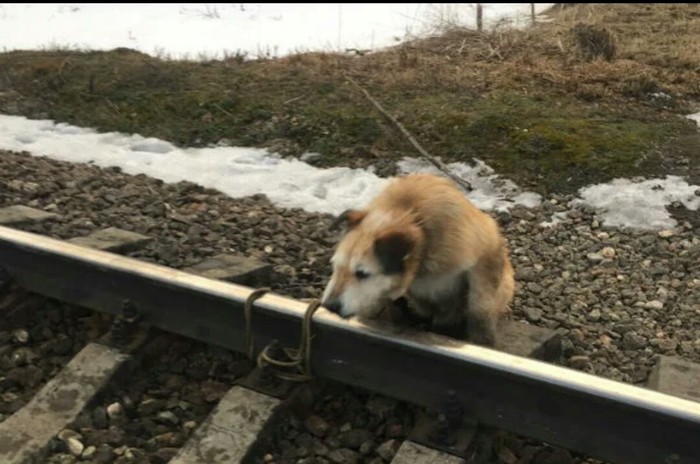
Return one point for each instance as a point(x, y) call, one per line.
point(448, 315)
point(481, 326)
point(483, 310)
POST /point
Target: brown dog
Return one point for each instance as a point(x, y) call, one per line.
point(422, 239)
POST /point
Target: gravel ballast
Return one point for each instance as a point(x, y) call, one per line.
point(620, 297)
point(37, 341)
point(148, 415)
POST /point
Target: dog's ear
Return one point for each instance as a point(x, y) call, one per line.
point(392, 249)
point(350, 218)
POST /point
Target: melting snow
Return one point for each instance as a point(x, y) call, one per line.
point(196, 30)
point(237, 171)
point(642, 204)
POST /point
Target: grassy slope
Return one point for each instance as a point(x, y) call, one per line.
point(529, 103)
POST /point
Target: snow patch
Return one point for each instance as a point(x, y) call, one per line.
point(640, 204)
point(237, 171)
point(293, 183)
point(209, 31)
point(695, 117)
point(557, 218)
point(491, 192)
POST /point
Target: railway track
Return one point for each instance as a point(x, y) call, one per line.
point(466, 391)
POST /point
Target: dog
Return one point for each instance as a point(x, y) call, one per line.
point(421, 239)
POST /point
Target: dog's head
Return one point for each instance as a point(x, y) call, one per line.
point(374, 263)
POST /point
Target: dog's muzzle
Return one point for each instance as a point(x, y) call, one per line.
point(334, 306)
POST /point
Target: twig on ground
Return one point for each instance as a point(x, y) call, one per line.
point(430, 158)
point(218, 107)
point(292, 100)
point(114, 107)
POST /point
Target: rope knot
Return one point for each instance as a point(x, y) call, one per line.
point(293, 364)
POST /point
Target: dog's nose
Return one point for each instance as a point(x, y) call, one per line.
point(332, 305)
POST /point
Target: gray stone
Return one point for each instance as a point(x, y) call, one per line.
point(167, 417)
point(344, 456)
point(354, 438)
point(388, 449)
point(99, 418)
point(89, 452)
point(533, 314)
point(20, 336)
point(579, 361)
point(75, 446)
point(115, 411)
point(316, 425)
point(150, 406)
point(381, 406)
point(103, 455)
point(633, 341)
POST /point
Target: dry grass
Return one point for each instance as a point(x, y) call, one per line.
point(656, 34)
point(653, 42)
point(462, 93)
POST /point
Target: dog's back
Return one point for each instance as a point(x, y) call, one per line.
point(456, 231)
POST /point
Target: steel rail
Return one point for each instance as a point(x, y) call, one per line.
point(605, 419)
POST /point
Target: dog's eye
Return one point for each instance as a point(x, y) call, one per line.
point(361, 274)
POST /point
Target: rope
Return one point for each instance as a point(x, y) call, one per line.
point(299, 358)
point(247, 312)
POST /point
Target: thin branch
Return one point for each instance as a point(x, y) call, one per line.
point(218, 107)
point(292, 100)
point(114, 107)
point(430, 158)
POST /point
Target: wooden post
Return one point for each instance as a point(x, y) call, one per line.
point(479, 17)
point(532, 13)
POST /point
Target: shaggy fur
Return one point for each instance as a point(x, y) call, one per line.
point(422, 239)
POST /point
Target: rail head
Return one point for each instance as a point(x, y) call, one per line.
point(606, 419)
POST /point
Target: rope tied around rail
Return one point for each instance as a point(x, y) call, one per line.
point(297, 358)
point(248, 314)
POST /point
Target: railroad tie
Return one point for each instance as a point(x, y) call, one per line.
point(25, 435)
point(241, 426)
point(677, 377)
point(445, 439)
point(230, 432)
point(113, 240)
point(530, 341)
point(232, 268)
point(19, 215)
point(414, 453)
point(240, 422)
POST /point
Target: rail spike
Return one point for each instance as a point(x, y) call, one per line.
point(122, 329)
